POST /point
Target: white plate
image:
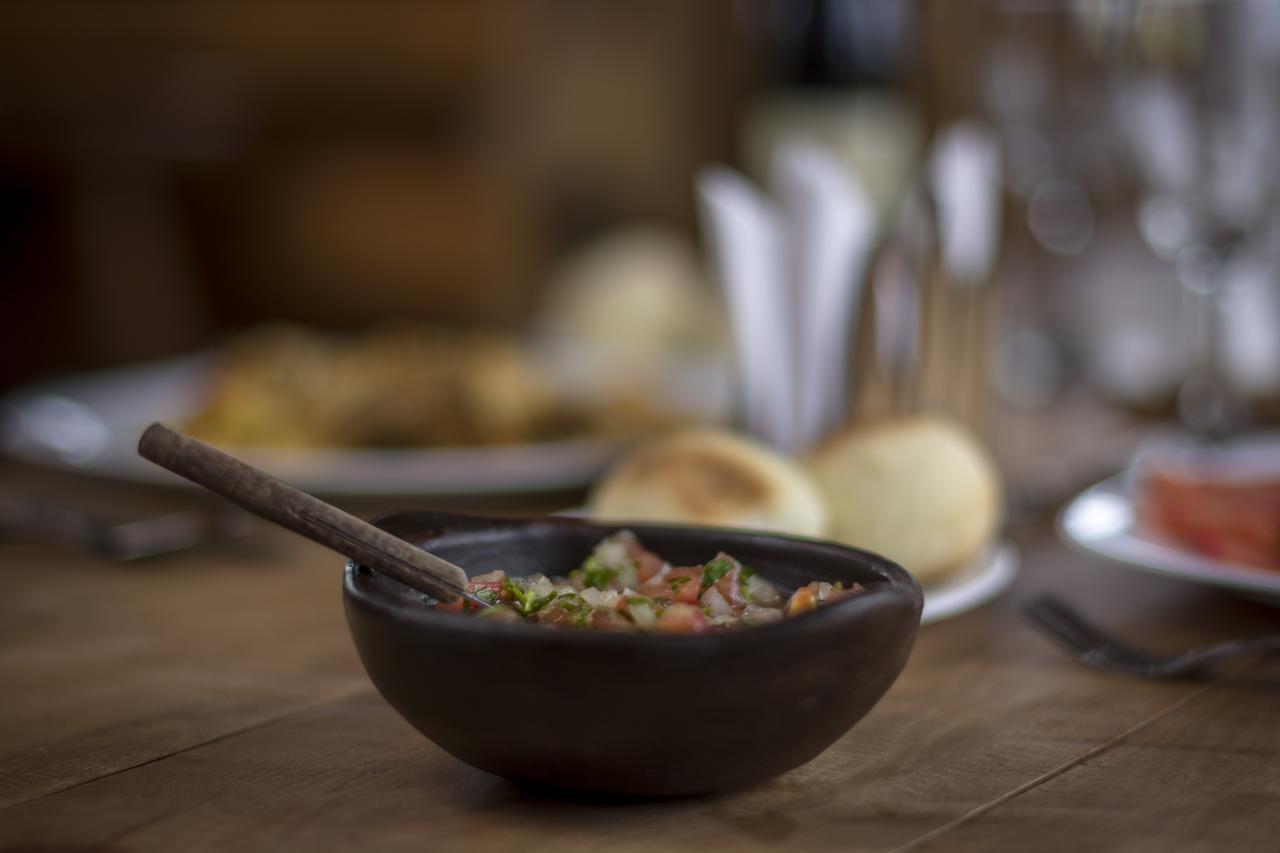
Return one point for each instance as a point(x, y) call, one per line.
point(981, 581)
point(91, 423)
point(1103, 520)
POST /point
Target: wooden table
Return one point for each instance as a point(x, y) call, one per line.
point(212, 701)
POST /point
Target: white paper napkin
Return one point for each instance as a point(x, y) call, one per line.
point(792, 274)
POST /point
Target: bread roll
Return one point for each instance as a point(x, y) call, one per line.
point(712, 478)
point(922, 492)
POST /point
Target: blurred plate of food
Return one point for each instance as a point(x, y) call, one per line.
point(413, 410)
point(920, 491)
point(1207, 515)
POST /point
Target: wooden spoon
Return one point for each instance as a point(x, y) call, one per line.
point(277, 501)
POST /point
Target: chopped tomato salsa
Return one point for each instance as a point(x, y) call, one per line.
point(623, 586)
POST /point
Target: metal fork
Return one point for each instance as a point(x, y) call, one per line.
point(1093, 647)
point(42, 521)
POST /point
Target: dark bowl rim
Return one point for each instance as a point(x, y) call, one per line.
point(898, 583)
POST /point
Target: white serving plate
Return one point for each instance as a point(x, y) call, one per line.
point(1102, 520)
point(90, 423)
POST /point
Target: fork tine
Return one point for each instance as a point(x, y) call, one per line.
point(1082, 640)
point(1095, 648)
point(1098, 639)
point(1066, 634)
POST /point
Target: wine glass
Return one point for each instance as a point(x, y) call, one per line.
point(1191, 92)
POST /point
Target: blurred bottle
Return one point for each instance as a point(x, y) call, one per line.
point(836, 75)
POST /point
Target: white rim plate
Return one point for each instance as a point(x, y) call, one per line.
point(1102, 520)
point(981, 581)
point(91, 423)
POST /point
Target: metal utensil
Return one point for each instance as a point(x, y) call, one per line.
point(277, 501)
point(1093, 647)
point(43, 521)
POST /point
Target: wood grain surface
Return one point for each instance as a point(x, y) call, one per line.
point(212, 701)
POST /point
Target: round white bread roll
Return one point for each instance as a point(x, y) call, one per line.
point(714, 478)
point(921, 491)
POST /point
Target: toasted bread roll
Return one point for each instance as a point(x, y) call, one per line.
point(922, 492)
point(713, 478)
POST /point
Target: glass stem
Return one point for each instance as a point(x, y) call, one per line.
point(1206, 404)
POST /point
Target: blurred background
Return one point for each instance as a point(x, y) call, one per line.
point(174, 174)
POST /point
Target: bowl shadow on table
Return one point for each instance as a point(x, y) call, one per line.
point(757, 812)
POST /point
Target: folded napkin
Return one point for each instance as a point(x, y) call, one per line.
point(791, 264)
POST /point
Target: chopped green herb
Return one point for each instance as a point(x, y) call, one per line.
point(678, 581)
point(600, 578)
point(524, 598)
point(713, 571)
point(594, 574)
point(487, 595)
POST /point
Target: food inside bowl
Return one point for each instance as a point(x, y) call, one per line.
point(623, 586)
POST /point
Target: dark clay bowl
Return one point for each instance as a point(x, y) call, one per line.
point(631, 714)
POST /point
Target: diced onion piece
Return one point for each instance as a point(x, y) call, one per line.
point(540, 586)
point(600, 598)
point(612, 552)
point(760, 591)
point(757, 615)
point(715, 603)
point(642, 613)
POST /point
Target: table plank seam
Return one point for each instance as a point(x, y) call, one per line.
point(1051, 774)
point(294, 711)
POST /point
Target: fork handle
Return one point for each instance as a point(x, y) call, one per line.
point(1234, 648)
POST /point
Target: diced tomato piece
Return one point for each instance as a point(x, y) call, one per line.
point(647, 563)
point(610, 620)
point(680, 584)
point(494, 588)
point(681, 619)
point(802, 601)
point(730, 586)
point(841, 594)
point(554, 614)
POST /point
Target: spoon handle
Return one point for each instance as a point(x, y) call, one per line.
point(272, 499)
